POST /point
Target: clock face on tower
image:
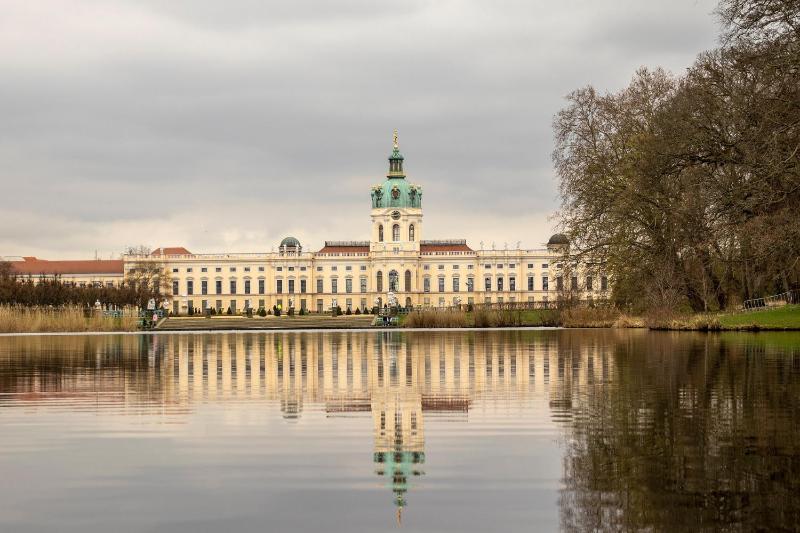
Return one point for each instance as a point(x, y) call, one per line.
point(396, 215)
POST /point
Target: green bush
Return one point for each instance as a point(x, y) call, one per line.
point(262, 312)
point(229, 312)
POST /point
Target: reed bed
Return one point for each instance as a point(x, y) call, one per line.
point(20, 319)
point(497, 318)
point(436, 318)
point(590, 317)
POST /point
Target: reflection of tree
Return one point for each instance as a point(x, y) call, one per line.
point(696, 432)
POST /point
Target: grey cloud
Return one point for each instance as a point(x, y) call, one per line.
point(220, 125)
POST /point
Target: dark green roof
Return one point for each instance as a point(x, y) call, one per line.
point(289, 242)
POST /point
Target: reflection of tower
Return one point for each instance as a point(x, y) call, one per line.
point(396, 406)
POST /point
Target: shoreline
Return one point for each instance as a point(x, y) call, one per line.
point(390, 329)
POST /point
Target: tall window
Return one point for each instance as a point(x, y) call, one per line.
point(319, 285)
point(204, 286)
point(218, 288)
point(426, 284)
point(441, 284)
point(233, 286)
point(411, 232)
point(261, 287)
point(348, 285)
point(455, 284)
point(334, 285)
point(394, 281)
point(247, 286)
point(603, 283)
point(363, 284)
point(574, 283)
point(470, 284)
point(499, 284)
point(291, 286)
point(175, 289)
point(512, 283)
point(530, 283)
point(303, 286)
point(408, 278)
point(380, 233)
point(589, 283)
point(379, 282)
point(545, 283)
point(487, 284)
point(396, 232)
point(279, 286)
point(559, 283)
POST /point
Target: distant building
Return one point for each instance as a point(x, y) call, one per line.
point(82, 273)
point(357, 274)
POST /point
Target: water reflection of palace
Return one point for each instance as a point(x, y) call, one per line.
point(397, 377)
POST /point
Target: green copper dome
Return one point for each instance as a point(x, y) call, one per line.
point(396, 191)
point(290, 242)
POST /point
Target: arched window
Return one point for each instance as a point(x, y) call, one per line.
point(411, 232)
point(408, 280)
point(379, 281)
point(394, 281)
point(396, 232)
point(380, 233)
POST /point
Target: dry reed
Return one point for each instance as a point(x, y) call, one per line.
point(589, 317)
point(20, 319)
point(436, 318)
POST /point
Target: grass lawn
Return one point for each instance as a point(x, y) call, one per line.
point(786, 317)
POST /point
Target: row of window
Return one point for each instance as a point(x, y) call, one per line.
point(394, 284)
point(219, 269)
point(396, 233)
point(348, 268)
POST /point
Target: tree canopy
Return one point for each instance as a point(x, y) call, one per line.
point(687, 187)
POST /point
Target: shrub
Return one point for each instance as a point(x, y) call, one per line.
point(262, 312)
point(229, 312)
point(358, 311)
point(349, 311)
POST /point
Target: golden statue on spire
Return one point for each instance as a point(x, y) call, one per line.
point(396, 146)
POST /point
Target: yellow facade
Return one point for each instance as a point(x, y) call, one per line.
point(360, 274)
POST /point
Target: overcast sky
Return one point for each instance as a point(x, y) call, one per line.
point(227, 125)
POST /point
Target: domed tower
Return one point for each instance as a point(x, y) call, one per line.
point(396, 209)
point(290, 246)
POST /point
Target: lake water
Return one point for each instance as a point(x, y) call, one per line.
point(515, 430)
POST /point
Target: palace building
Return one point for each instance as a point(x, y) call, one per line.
point(358, 274)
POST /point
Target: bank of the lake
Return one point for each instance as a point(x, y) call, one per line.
point(38, 320)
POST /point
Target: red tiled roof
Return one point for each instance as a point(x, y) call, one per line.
point(170, 250)
point(344, 250)
point(34, 267)
point(444, 248)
